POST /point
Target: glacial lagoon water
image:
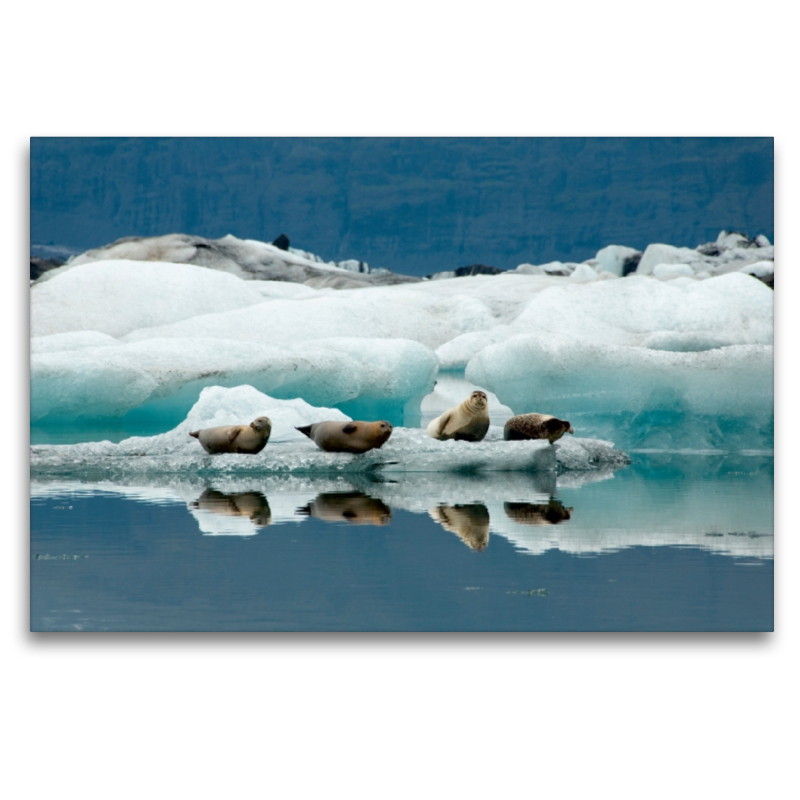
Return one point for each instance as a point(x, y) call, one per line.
point(672, 542)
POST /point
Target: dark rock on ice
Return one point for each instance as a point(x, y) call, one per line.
point(41, 265)
point(477, 269)
point(282, 242)
point(247, 259)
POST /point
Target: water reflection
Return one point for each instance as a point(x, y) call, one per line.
point(355, 508)
point(469, 522)
point(537, 513)
point(252, 505)
point(721, 504)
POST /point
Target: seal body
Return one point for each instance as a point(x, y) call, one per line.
point(250, 438)
point(536, 426)
point(468, 421)
point(348, 437)
point(356, 508)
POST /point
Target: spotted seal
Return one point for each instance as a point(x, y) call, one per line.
point(468, 421)
point(348, 437)
point(250, 438)
point(536, 426)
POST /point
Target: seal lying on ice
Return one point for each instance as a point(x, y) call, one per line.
point(250, 438)
point(536, 426)
point(468, 421)
point(348, 437)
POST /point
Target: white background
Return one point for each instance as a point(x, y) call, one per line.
point(117, 716)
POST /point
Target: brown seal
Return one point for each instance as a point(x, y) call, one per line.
point(536, 426)
point(469, 522)
point(250, 438)
point(356, 508)
point(348, 437)
point(468, 421)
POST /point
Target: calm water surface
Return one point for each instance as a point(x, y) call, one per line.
point(669, 543)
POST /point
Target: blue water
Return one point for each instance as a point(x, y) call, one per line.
point(671, 543)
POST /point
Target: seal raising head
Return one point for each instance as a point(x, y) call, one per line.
point(468, 421)
point(536, 426)
point(348, 437)
point(250, 438)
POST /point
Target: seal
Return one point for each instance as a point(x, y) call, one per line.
point(468, 421)
point(536, 426)
point(250, 438)
point(469, 522)
point(348, 437)
point(356, 508)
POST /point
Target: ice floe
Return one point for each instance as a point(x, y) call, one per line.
point(288, 451)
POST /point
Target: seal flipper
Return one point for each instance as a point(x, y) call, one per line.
point(196, 434)
point(306, 429)
point(443, 424)
point(232, 434)
point(350, 428)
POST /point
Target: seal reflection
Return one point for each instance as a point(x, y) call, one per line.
point(469, 522)
point(538, 513)
point(245, 504)
point(355, 508)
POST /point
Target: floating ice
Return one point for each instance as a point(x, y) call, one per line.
point(112, 380)
point(117, 297)
point(616, 258)
point(641, 397)
point(668, 271)
point(288, 451)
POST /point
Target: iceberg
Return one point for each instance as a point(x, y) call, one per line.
point(164, 376)
point(642, 397)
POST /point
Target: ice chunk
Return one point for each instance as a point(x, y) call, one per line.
point(76, 340)
point(117, 297)
point(733, 307)
point(759, 268)
point(111, 381)
point(380, 313)
point(640, 397)
point(672, 270)
point(582, 274)
point(665, 254)
point(456, 354)
point(615, 258)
